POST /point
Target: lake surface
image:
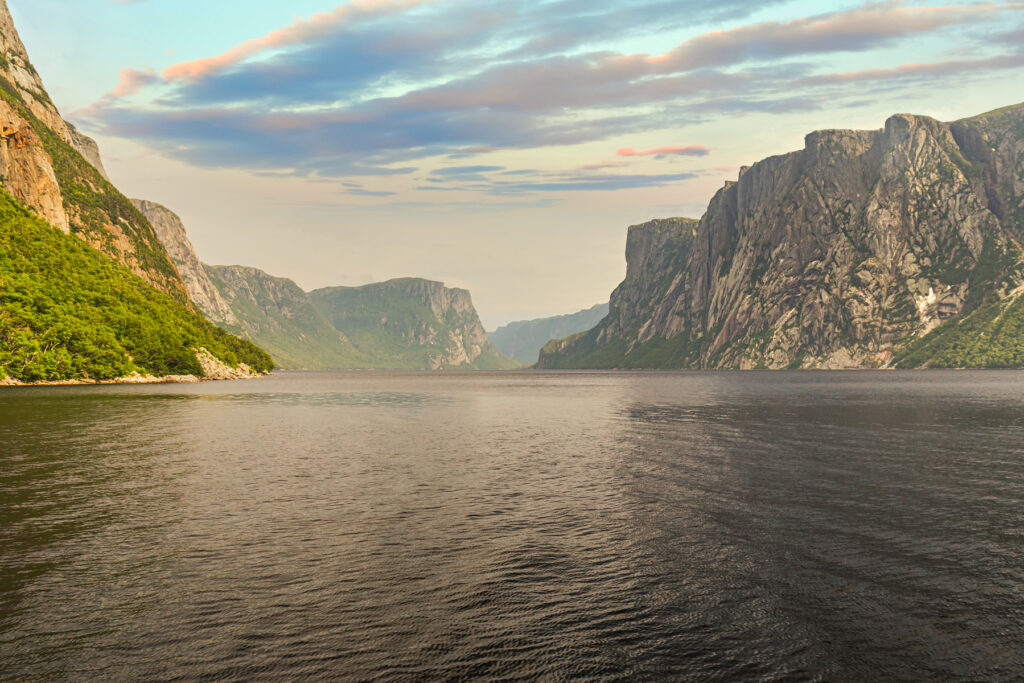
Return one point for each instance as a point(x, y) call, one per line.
point(598, 526)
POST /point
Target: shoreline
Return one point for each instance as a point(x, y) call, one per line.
point(131, 379)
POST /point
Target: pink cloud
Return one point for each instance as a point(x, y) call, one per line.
point(603, 165)
point(688, 151)
point(299, 31)
point(834, 31)
point(132, 80)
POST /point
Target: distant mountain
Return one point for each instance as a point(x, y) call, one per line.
point(411, 323)
point(87, 290)
point(524, 339)
point(406, 324)
point(279, 316)
point(896, 247)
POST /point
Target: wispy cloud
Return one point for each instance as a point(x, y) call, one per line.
point(375, 87)
point(686, 151)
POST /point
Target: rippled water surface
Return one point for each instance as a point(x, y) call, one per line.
point(516, 526)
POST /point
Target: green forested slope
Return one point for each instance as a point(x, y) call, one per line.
point(991, 337)
point(69, 312)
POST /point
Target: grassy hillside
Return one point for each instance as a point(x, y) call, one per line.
point(69, 312)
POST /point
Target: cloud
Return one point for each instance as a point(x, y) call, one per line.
point(688, 151)
point(299, 31)
point(916, 71)
point(465, 170)
point(376, 87)
point(133, 80)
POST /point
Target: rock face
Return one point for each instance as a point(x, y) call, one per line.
point(410, 323)
point(49, 166)
point(88, 148)
point(171, 232)
point(839, 255)
point(523, 340)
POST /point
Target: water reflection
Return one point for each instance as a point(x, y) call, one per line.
point(592, 525)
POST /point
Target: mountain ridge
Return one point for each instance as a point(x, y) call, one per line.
point(841, 254)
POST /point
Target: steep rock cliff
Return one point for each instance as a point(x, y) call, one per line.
point(411, 323)
point(42, 165)
point(171, 231)
point(87, 147)
point(839, 255)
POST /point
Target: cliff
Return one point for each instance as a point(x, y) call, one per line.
point(171, 232)
point(49, 166)
point(844, 254)
point(411, 323)
point(522, 340)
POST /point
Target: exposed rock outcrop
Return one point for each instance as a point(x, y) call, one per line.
point(88, 148)
point(171, 231)
point(833, 256)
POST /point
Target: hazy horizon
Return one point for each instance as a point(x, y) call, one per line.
point(499, 147)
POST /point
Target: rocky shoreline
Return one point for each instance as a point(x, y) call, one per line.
point(214, 370)
point(131, 379)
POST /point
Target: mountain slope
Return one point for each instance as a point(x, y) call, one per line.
point(280, 317)
point(42, 167)
point(842, 254)
point(524, 339)
point(411, 324)
point(68, 312)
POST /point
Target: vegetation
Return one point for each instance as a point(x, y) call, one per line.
point(69, 312)
point(991, 337)
point(93, 203)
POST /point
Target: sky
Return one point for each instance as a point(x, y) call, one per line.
point(503, 146)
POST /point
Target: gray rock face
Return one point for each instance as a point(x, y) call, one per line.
point(88, 148)
point(829, 257)
point(171, 232)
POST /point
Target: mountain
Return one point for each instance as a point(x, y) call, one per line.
point(42, 167)
point(411, 323)
point(279, 316)
point(895, 247)
point(87, 290)
point(67, 312)
point(406, 324)
point(524, 339)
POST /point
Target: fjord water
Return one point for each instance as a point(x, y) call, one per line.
point(521, 525)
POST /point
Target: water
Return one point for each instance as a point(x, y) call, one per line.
point(595, 526)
